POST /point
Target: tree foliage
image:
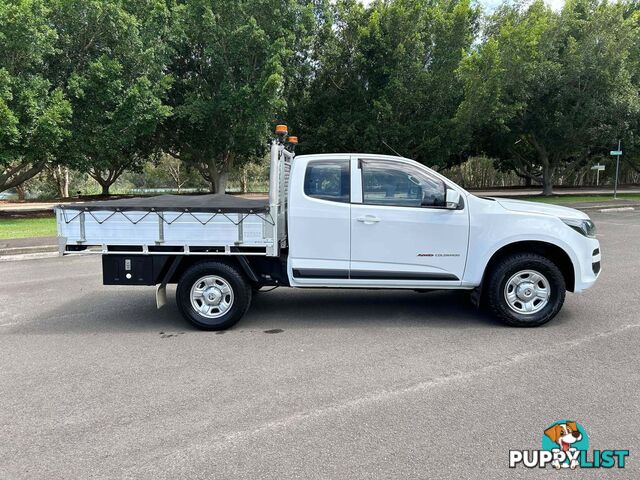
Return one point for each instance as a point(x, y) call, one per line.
point(547, 91)
point(102, 86)
point(386, 79)
point(113, 70)
point(228, 81)
point(34, 114)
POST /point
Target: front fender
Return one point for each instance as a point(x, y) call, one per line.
point(496, 230)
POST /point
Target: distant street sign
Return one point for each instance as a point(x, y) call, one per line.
point(598, 168)
point(615, 152)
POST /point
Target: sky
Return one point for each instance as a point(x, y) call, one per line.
point(489, 5)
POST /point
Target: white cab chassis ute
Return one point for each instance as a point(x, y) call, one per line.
point(339, 221)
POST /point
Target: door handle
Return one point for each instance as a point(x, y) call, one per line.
point(368, 219)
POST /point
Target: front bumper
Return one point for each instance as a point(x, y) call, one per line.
point(589, 264)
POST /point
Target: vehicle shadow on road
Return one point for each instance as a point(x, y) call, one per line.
point(133, 310)
point(327, 308)
point(109, 310)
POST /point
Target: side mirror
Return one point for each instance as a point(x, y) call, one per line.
point(453, 199)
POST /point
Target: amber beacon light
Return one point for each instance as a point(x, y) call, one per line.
point(281, 129)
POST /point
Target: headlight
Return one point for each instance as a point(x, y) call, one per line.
point(584, 227)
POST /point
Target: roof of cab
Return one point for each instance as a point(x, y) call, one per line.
point(360, 155)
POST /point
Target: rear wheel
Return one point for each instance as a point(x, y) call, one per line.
point(213, 295)
point(525, 290)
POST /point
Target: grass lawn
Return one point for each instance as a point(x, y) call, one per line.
point(27, 227)
point(567, 199)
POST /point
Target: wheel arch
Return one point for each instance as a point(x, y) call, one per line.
point(553, 252)
point(237, 262)
point(257, 270)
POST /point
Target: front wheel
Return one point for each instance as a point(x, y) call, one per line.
point(213, 295)
point(525, 290)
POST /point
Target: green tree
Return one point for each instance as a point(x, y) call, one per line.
point(386, 76)
point(631, 138)
point(547, 91)
point(33, 113)
point(312, 25)
point(112, 64)
point(228, 71)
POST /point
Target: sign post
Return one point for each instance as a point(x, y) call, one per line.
point(616, 153)
point(598, 168)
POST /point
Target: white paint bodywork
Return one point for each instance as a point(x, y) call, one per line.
point(332, 236)
point(350, 244)
point(320, 228)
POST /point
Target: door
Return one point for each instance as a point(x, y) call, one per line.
point(319, 221)
point(401, 231)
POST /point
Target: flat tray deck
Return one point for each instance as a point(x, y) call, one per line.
point(215, 202)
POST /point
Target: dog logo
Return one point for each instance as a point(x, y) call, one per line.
point(567, 437)
point(565, 444)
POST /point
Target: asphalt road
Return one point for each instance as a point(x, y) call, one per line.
point(95, 383)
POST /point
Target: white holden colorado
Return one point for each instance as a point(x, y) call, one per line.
point(339, 221)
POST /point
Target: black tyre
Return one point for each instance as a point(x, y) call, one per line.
point(525, 290)
point(213, 295)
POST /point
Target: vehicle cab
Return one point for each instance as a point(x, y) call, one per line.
point(374, 221)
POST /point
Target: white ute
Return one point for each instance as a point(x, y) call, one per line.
point(339, 221)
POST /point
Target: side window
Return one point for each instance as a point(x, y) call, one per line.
point(385, 183)
point(328, 180)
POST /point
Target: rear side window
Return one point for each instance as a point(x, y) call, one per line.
point(328, 180)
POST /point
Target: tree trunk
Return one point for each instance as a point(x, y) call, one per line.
point(217, 180)
point(105, 183)
point(212, 175)
point(547, 180)
point(221, 182)
point(22, 192)
point(175, 174)
point(65, 183)
point(13, 175)
point(244, 181)
point(61, 177)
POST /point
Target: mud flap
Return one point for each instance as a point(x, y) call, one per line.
point(161, 289)
point(476, 297)
point(161, 295)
